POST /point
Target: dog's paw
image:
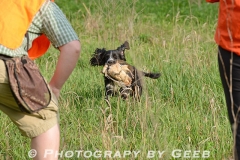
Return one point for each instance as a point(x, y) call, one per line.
point(125, 92)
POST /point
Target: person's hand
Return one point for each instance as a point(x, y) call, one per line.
point(55, 91)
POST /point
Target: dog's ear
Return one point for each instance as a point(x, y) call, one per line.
point(96, 59)
point(126, 45)
point(122, 48)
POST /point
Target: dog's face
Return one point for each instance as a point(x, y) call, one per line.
point(103, 56)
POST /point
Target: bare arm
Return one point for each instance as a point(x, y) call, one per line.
point(69, 54)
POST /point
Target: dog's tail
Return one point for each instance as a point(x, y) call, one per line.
point(152, 75)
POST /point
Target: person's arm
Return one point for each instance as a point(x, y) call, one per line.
point(212, 1)
point(69, 54)
point(63, 37)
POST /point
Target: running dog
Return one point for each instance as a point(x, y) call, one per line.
point(119, 74)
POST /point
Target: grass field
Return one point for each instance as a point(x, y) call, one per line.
point(183, 110)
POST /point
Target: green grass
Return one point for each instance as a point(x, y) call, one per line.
point(184, 109)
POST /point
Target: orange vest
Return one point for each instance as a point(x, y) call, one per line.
point(15, 18)
point(228, 29)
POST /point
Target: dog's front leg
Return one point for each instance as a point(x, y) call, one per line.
point(109, 88)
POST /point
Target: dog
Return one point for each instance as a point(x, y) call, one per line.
point(115, 61)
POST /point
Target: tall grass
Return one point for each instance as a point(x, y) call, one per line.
point(184, 109)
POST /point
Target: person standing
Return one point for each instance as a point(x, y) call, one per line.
point(227, 37)
point(27, 28)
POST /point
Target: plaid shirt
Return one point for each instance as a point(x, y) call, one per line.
point(50, 21)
